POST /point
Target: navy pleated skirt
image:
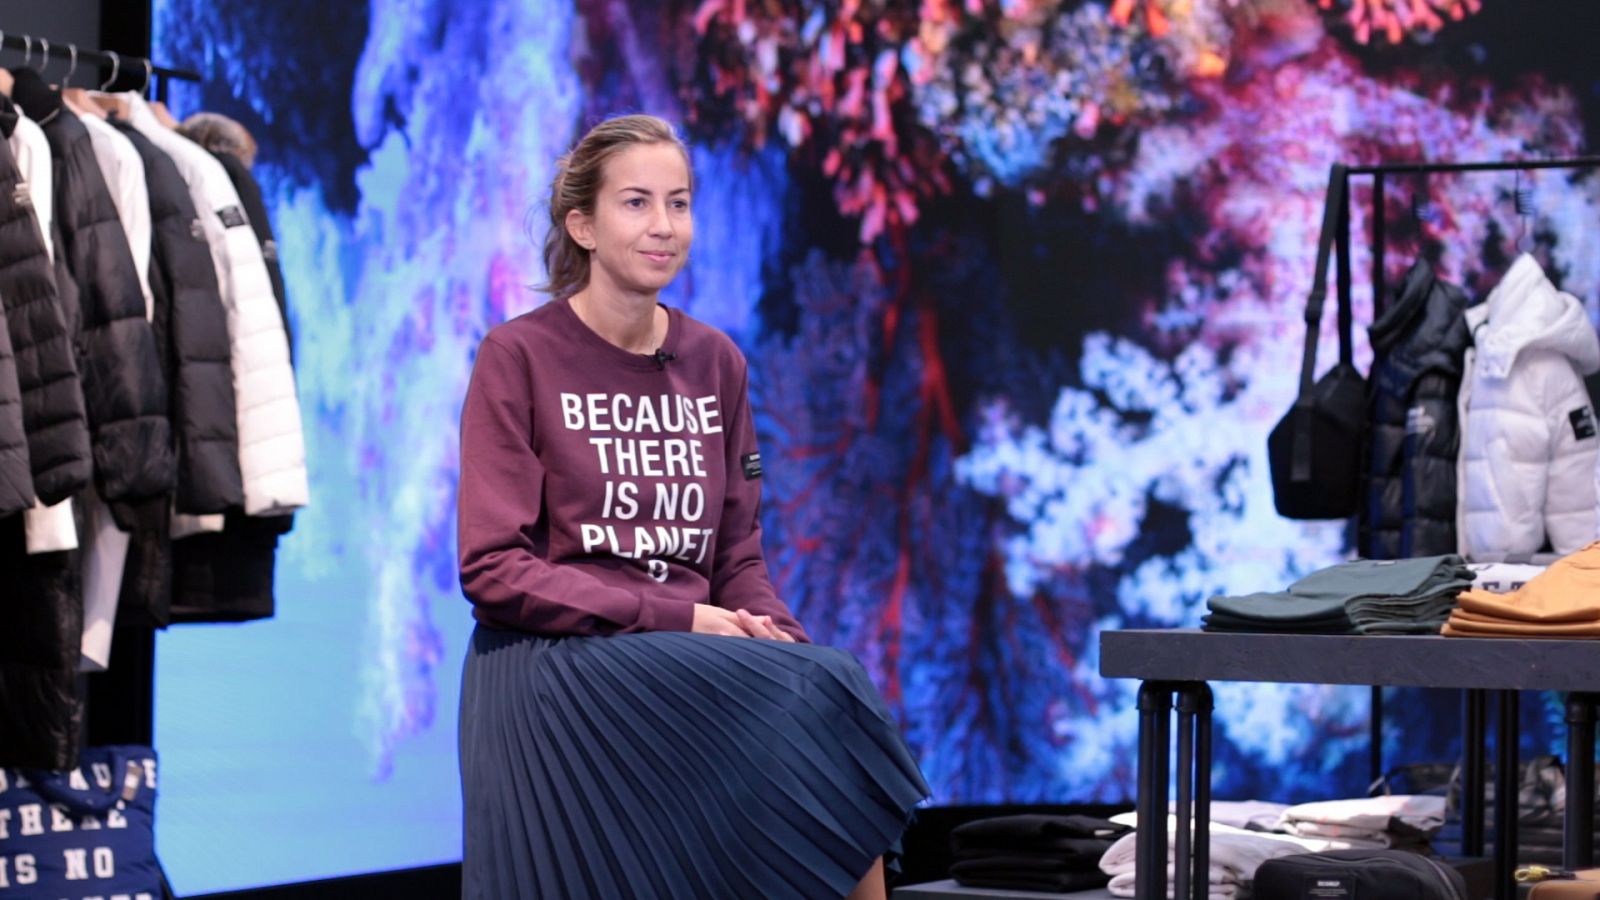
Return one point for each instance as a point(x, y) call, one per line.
point(674, 765)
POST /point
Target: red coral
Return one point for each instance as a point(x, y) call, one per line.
point(1394, 20)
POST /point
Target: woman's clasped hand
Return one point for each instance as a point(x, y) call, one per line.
point(710, 619)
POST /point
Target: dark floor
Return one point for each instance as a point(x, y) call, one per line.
point(926, 858)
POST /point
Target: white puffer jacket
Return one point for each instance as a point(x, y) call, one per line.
point(1529, 444)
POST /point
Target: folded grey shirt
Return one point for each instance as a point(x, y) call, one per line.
point(1322, 599)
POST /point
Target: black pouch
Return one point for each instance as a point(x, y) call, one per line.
point(1358, 875)
point(1315, 450)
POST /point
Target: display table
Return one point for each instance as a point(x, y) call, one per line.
point(949, 890)
point(1176, 664)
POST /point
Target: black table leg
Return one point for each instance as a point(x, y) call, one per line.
point(1578, 840)
point(1473, 733)
point(1183, 825)
point(1198, 701)
point(1375, 742)
point(1150, 839)
point(1506, 784)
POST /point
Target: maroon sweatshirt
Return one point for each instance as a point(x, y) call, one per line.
point(604, 492)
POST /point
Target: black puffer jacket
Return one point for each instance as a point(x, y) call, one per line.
point(228, 577)
point(41, 641)
point(192, 336)
point(47, 374)
point(124, 393)
point(16, 477)
point(16, 480)
point(1414, 433)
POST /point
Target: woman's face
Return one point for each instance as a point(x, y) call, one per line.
point(641, 227)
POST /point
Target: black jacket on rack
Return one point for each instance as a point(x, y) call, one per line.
point(41, 713)
point(16, 476)
point(41, 708)
point(1414, 433)
point(16, 479)
point(41, 620)
point(191, 327)
point(47, 374)
point(124, 393)
point(192, 335)
point(228, 577)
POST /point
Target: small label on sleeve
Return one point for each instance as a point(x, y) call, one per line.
point(232, 216)
point(1418, 421)
point(1582, 420)
point(752, 466)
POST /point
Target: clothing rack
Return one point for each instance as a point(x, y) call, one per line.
point(156, 77)
point(1380, 171)
point(1474, 704)
point(119, 704)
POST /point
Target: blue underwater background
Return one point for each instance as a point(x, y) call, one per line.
point(1021, 288)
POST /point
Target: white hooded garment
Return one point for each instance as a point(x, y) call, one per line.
point(1529, 443)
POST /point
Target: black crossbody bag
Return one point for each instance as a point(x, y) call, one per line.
point(1315, 449)
point(1358, 875)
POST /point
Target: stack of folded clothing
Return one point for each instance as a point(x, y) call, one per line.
point(1235, 854)
point(1402, 596)
point(1394, 821)
point(1503, 578)
point(1249, 815)
point(1033, 852)
point(1563, 602)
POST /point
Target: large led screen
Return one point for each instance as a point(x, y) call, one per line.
point(1021, 287)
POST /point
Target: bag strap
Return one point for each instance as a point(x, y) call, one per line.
point(1342, 271)
point(1335, 229)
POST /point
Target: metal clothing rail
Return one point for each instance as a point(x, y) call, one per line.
point(128, 695)
point(1379, 173)
point(155, 75)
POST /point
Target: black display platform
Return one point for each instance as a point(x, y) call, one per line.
point(949, 890)
point(1428, 661)
point(1177, 664)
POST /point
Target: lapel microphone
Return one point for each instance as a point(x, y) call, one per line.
point(662, 357)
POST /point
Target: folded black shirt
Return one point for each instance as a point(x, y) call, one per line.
point(980, 877)
point(1032, 831)
point(1063, 853)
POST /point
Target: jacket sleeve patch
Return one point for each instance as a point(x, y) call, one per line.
point(1418, 421)
point(752, 466)
point(232, 217)
point(1582, 420)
